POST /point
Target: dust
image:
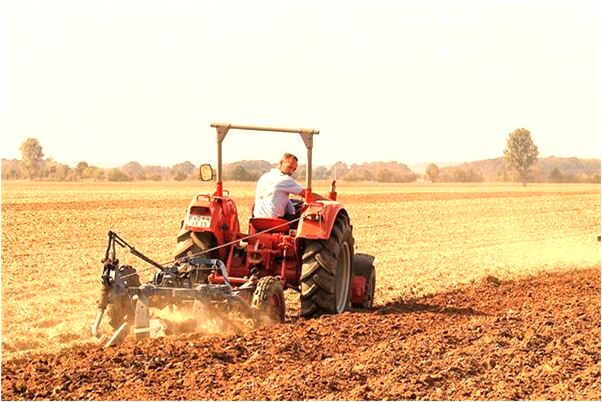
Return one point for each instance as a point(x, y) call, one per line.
point(201, 320)
point(263, 319)
point(48, 335)
point(206, 321)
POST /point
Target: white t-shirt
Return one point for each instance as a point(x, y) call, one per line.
point(271, 196)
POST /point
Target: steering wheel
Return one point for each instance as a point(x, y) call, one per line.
point(297, 204)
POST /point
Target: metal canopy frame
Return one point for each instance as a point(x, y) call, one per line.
point(306, 135)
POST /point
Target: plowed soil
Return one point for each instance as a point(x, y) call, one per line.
point(485, 291)
point(537, 338)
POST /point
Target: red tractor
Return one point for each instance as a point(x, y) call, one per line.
point(312, 254)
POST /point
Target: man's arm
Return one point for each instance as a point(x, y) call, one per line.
point(292, 187)
point(315, 195)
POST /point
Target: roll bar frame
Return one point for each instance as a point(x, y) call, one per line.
point(306, 135)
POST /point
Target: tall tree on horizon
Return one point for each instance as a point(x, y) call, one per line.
point(31, 155)
point(432, 172)
point(521, 153)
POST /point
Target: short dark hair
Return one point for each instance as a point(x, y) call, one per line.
point(287, 157)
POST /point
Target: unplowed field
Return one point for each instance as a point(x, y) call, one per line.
point(483, 292)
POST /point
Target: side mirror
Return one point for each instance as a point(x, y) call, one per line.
point(206, 172)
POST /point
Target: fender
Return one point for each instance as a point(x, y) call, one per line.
point(220, 218)
point(318, 219)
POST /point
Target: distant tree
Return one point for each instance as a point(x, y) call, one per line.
point(179, 176)
point(186, 168)
point(556, 176)
point(460, 174)
point(363, 173)
point(63, 171)
point(80, 168)
point(405, 177)
point(241, 174)
point(31, 157)
point(134, 170)
point(384, 176)
point(50, 167)
point(470, 176)
point(93, 173)
point(389, 172)
point(116, 174)
point(340, 168)
point(432, 172)
point(595, 178)
point(320, 173)
point(254, 169)
point(57, 171)
point(248, 170)
point(11, 169)
point(157, 173)
point(520, 153)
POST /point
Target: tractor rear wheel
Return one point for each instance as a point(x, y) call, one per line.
point(326, 271)
point(195, 243)
point(268, 301)
point(363, 265)
point(121, 307)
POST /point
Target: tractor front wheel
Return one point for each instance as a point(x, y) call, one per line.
point(326, 271)
point(268, 301)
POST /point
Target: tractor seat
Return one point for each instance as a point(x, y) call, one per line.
point(277, 225)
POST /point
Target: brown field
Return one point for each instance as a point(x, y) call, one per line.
point(427, 239)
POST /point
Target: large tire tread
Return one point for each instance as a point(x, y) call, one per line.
point(319, 270)
point(311, 270)
point(311, 249)
point(268, 301)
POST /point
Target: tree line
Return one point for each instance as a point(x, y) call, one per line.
point(386, 172)
point(519, 163)
point(546, 170)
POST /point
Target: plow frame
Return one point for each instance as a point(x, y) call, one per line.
point(203, 296)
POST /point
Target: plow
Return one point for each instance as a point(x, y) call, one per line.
point(236, 279)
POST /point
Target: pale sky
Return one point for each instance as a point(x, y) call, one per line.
point(114, 81)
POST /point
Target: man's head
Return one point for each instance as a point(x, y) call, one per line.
point(288, 164)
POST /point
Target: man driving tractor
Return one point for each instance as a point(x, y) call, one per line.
point(273, 189)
